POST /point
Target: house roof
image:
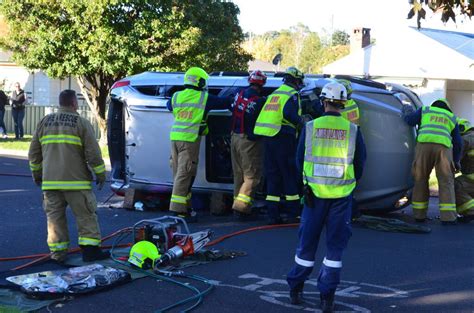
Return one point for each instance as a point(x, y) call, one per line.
point(261, 65)
point(460, 42)
point(411, 53)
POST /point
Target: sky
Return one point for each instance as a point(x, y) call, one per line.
point(259, 16)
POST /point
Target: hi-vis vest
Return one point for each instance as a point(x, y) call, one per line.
point(436, 126)
point(271, 119)
point(188, 110)
point(328, 161)
point(351, 112)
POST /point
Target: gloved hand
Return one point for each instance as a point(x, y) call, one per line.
point(306, 118)
point(457, 167)
point(100, 180)
point(407, 109)
point(37, 178)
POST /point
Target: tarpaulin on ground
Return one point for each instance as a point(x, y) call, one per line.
point(71, 281)
point(390, 225)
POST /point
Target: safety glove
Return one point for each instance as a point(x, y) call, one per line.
point(37, 178)
point(407, 109)
point(100, 180)
point(457, 167)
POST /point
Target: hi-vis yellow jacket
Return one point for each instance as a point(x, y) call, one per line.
point(64, 151)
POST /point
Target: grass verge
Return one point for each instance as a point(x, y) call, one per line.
point(23, 144)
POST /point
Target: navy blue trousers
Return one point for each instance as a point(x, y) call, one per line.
point(335, 214)
point(18, 116)
point(281, 174)
point(2, 122)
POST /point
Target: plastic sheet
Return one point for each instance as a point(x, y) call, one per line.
point(76, 280)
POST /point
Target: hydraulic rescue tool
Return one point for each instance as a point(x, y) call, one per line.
point(171, 236)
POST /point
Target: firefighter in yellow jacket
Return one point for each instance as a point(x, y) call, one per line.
point(351, 109)
point(438, 146)
point(62, 154)
point(464, 184)
point(190, 108)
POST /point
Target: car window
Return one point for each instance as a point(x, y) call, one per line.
point(150, 90)
point(404, 99)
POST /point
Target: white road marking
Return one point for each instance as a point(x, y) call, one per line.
point(13, 190)
point(348, 289)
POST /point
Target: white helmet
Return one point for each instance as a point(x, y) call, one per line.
point(334, 91)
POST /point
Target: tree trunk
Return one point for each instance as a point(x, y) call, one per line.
point(96, 96)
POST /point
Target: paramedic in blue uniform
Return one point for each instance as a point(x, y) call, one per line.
point(331, 155)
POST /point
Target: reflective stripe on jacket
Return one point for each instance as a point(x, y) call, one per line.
point(188, 110)
point(64, 151)
point(351, 111)
point(436, 126)
point(271, 118)
point(329, 156)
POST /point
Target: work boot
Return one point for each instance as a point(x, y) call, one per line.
point(327, 302)
point(190, 217)
point(59, 257)
point(296, 294)
point(245, 217)
point(93, 253)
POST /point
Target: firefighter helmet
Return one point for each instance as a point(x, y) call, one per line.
point(442, 103)
point(196, 76)
point(294, 72)
point(464, 125)
point(258, 78)
point(143, 254)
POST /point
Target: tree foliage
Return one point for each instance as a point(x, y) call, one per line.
point(100, 41)
point(299, 46)
point(340, 38)
point(448, 9)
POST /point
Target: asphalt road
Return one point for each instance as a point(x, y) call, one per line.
point(383, 272)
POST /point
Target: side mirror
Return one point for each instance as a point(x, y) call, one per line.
point(277, 59)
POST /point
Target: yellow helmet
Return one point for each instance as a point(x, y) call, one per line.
point(464, 125)
point(294, 72)
point(143, 254)
point(442, 103)
point(196, 76)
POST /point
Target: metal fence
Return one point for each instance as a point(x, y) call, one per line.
point(34, 114)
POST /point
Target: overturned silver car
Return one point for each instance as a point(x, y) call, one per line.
point(139, 125)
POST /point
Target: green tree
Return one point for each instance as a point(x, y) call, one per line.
point(100, 41)
point(310, 53)
point(340, 38)
point(299, 46)
point(448, 9)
